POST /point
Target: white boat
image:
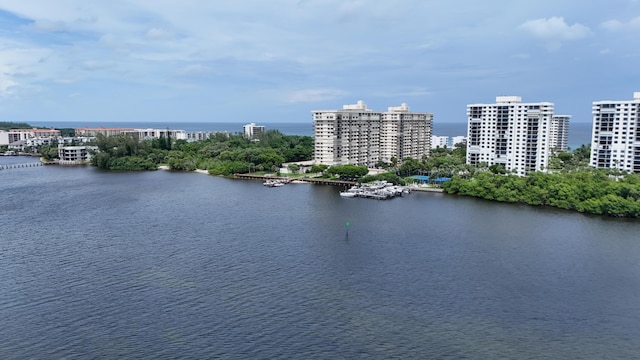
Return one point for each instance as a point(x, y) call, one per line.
point(379, 190)
point(274, 183)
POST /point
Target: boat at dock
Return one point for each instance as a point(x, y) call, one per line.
point(380, 190)
point(276, 182)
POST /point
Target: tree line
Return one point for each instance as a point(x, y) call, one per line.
point(221, 154)
point(589, 191)
point(569, 182)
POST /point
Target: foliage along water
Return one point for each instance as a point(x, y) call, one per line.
point(179, 265)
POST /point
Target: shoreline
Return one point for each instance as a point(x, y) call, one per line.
point(298, 181)
point(199, 171)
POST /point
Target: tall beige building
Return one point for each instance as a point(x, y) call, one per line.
point(510, 132)
point(360, 136)
point(615, 137)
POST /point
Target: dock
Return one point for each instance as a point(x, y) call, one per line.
point(307, 180)
point(23, 165)
point(380, 190)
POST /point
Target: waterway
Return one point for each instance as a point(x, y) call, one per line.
point(162, 265)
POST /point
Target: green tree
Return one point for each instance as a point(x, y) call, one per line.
point(348, 171)
point(294, 168)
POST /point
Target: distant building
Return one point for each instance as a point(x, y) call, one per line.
point(559, 134)
point(75, 154)
point(458, 140)
point(202, 135)
point(359, 136)
point(253, 131)
point(141, 134)
point(511, 133)
point(148, 134)
point(15, 135)
point(615, 138)
point(86, 131)
point(439, 141)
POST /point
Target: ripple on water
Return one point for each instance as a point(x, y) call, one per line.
point(166, 265)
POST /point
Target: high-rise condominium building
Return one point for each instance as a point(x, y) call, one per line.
point(559, 136)
point(360, 136)
point(511, 133)
point(615, 137)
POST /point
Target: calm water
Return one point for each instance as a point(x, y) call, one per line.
point(162, 265)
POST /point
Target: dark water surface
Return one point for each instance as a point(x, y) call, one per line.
point(162, 265)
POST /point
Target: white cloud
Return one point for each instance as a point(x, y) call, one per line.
point(617, 25)
point(48, 25)
point(554, 31)
point(293, 52)
point(417, 92)
point(92, 65)
point(313, 95)
point(158, 34)
point(612, 25)
point(429, 45)
point(194, 71)
point(17, 62)
point(6, 84)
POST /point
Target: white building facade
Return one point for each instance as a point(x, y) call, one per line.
point(439, 141)
point(455, 140)
point(559, 136)
point(253, 131)
point(615, 137)
point(75, 154)
point(148, 134)
point(511, 133)
point(141, 134)
point(360, 136)
point(15, 135)
point(203, 135)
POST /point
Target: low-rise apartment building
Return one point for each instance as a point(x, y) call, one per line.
point(15, 135)
point(75, 154)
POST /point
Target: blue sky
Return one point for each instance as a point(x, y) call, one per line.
point(275, 61)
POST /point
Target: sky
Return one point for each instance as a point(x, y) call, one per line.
point(276, 61)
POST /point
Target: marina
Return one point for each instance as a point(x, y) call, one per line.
point(380, 190)
point(276, 182)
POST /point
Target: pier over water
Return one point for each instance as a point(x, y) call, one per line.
point(308, 180)
point(16, 166)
